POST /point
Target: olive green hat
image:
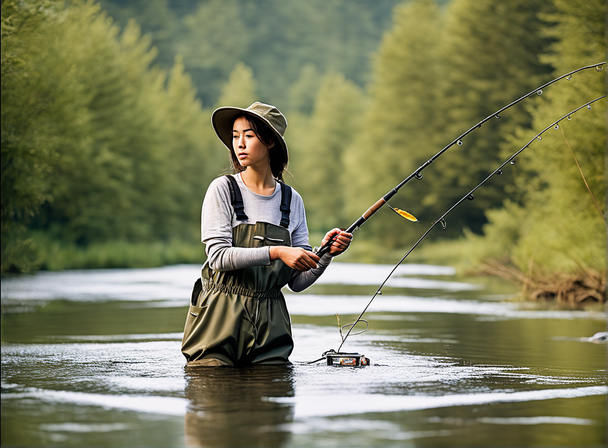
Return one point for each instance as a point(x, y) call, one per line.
point(222, 120)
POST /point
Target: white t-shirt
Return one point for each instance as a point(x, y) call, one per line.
point(218, 219)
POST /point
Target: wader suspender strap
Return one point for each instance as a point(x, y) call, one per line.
point(236, 199)
point(239, 207)
point(285, 204)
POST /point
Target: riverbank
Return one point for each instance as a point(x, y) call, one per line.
point(54, 255)
point(584, 288)
point(580, 289)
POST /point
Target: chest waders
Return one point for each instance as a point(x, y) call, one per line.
point(239, 317)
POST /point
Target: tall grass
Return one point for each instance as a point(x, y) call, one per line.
point(54, 255)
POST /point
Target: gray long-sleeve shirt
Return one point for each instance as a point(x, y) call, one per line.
point(218, 219)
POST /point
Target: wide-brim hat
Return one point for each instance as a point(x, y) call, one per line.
point(222, 120)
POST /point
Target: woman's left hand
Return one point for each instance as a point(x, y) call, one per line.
point(341, 241)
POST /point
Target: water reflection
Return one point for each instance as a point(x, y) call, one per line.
point(91, 358)
point(238, 407)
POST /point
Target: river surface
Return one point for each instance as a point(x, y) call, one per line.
point(92, 358)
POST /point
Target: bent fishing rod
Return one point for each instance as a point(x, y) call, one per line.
point(468, 196)
point(457, 141)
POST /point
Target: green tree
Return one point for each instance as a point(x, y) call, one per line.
point(398, 129)
point(240, 90)
point(277, 39)
point(284, 37)
point(161, 20)
point(490, 57)
point(122, 169)
point(193, 161)
point(321, 147)
point(302, 93)
point(45, 121)
point(557, 227)
point(97, 146)
point(215, 40)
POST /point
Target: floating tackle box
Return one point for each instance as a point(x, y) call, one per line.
point(347, 359)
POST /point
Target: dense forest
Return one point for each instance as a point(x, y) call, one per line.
point(107, 147)
point(289, 45)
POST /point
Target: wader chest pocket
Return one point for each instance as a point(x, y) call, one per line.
point(269, 239)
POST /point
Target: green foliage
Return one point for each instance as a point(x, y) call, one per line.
point(55, 255)
point(302, 92)
point(437, 73)
point(276, 38)
point(44, 121)
point(557, 226)
point(320, 149)
point(240, 90)
point(211, 46)
point(489, 57)
point(398, 127)
point(107, 149)
point(96, 145)
point(161, 20)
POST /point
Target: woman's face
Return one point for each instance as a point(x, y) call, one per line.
point(248, 148)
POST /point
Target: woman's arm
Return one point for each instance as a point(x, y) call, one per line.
point(305, 279)
point(216, 230)
point(296, 258)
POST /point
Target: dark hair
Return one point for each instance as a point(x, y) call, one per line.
point(267, 137)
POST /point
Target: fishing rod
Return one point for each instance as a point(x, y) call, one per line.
point(457, 141)
point(441, 220)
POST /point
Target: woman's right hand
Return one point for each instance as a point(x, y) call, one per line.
point(294, 257)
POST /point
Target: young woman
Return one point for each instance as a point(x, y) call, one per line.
point(256, 239)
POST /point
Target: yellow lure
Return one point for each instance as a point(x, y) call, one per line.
point(405, 214)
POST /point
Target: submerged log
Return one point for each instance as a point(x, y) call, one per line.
point(574, 289)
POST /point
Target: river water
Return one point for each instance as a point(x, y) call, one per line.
point(92, 358)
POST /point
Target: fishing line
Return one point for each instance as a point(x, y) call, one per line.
point(468, 196)
point(457, 141)
point(580, 170)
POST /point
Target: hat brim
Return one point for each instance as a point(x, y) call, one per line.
point(222, 120)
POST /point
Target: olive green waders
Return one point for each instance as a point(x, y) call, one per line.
point(240, 317)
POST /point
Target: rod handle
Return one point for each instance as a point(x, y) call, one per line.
point(370, 211)
point(374, 208)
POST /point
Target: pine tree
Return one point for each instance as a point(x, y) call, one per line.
point(397, 131)
point(558, 227)
point(322, 144)
point(194, 159)
point(240, 90)
point(302, 93)
point(213, 41)
point(490, 57)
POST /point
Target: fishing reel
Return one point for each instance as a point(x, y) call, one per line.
point(342, 359)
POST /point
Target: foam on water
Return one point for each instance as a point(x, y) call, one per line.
point(141, 403)
point(317, 305)
point(346, 404)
